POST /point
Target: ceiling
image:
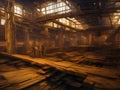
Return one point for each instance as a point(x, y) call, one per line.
point(96, 12)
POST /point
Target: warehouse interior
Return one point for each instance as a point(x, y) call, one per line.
point(59, 44)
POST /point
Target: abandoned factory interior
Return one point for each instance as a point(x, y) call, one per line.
point(59, 44)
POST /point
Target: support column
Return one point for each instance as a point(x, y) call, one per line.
point(61, 39)
point(26, 41)
point(90, 39)
point(46, 37)
point(9, 28)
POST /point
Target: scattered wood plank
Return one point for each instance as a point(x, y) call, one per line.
point(19, 75)
point(102, 77)
point(14, 62)
point(43, 85)
point(29, 82)
point(101, 82)
point(2, 61)
point(56, 85)
point(58, 77)
point(6, 68)
point(40, 71)
point(72, 82)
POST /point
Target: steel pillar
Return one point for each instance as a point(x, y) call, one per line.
point(9, 27)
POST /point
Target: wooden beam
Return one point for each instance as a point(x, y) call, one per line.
point(9, 28)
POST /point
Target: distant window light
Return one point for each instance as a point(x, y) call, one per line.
point(51, 7)
point(117, 13)
point(67, 29)
point(55, 25)
point(43, 12)
point(18, 10)
point(43, 9)
point(67, 7)
point(2, 22)
point(2, 10)
point(50, 3)
point(24, 11)
point(59, 8)
point(116, 17)
point(48, 12)
point(58, 5)
point(47, 8)
point(58, 0)
point(38, 9)
point(67, 2)
point(61, 4)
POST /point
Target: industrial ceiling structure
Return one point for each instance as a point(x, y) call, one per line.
point(72, 16)
point(90, 13)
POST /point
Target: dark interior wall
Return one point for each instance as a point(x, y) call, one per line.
point(2, 34)
point(19, 35)
point(117, 40)
point(2, 39)
point(56, 38)
point(69, 39)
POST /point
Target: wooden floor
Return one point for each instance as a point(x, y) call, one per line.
point(94, 67)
